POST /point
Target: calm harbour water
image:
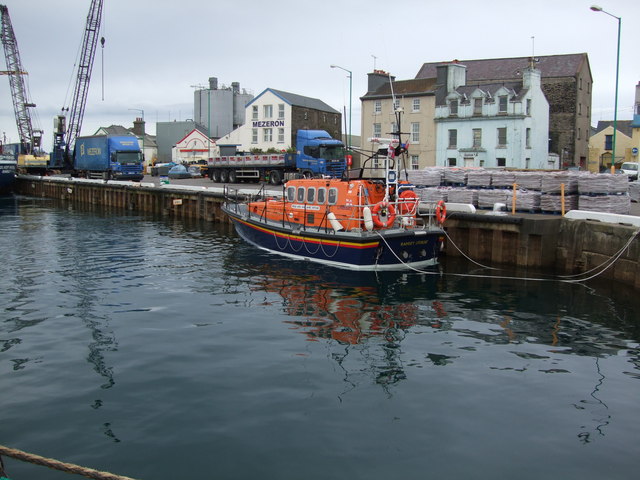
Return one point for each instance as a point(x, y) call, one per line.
point(160, 349)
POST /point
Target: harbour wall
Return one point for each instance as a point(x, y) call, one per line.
point(546, 242)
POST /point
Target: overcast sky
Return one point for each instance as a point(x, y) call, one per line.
point(156, 51)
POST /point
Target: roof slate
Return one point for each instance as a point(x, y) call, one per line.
point(300, 100)
point(418, 86)
point(567, 65)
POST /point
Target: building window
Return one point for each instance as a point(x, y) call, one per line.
point(528, 106)
point(501, 162)
point(415, 132)
point(502, 104)
point(281, 111)
point(254, 135)
point(377, 106)
point(254, 112)
point(502, 137)
point(267, 135)
point(528, 137)
point(415, 107)
point(453, 138)
point(477, 137)
point(267, 111)
point(608, 142)
point(453, 108)
point(394, 127)
point(377, 130)
point(281, 135)
point(451, 162)
point(396, 104)
point(415, 164)
point(578, 132)
point(579, 109)
point(580, 82)
point(527, 163)
point(477, 106)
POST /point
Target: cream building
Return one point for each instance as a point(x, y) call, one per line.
point(409, 102)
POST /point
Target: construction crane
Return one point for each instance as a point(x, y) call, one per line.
point(64, 135)
point(30, 138)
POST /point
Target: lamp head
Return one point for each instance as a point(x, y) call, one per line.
point(596, 8)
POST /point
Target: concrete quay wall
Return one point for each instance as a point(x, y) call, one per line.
point(548, 242)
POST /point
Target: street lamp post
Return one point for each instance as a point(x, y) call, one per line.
point(350, 92)
point(596, 8)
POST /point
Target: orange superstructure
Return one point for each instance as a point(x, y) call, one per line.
point(339, 205)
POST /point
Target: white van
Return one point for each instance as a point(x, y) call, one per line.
point(631, 169)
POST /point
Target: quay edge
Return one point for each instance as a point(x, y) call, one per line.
point(547, 242)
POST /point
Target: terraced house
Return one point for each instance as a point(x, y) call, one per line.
point(565, 81)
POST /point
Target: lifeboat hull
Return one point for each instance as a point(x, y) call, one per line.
point(398, 249)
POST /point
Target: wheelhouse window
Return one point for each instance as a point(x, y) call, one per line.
point(301, 194)
point(322, 195)
point(333, 196)
point(291, 194)
point(311, 195)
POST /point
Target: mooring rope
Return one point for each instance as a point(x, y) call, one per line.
point(57, 465)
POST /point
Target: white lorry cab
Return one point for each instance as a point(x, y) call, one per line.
point(630, 169)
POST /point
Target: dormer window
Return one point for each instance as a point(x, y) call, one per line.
point(477, 106)
point(453, 108)
point(502, 103)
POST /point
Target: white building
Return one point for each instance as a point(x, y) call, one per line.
point(273, 119)
point(493, 124)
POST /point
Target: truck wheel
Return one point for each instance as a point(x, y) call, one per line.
point(233, 178)
point(215, 176)
point(275, 177)
point(224, 176)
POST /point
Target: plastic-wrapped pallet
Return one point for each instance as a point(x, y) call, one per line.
point(432, 194)
point(478, 178)
point(463, 195)
point(551, 182)
point(455, 176)
point(502, 179)
point(620, 204)
point(594, 184)
point(526, 200)
point(619, 184)
point(487, 198)
point(634, 191)
point(551, 203)
point(529, 180)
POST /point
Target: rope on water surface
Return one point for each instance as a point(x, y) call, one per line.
point(56, 465)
